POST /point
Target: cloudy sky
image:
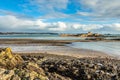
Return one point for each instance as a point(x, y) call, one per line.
point(71, 16)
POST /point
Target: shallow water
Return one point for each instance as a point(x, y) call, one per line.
point(32, 48)
point(111, 48)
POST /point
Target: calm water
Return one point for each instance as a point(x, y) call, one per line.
point(38, 36)
point(112, 48)
point(31, 47)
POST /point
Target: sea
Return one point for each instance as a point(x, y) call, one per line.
point(112, 48)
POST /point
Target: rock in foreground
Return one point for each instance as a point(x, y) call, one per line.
point(83, 69)
point(64, 68)
point(9, 60)
point(13, 67)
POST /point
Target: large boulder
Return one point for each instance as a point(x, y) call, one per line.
point(9, 60)
point(36, 72)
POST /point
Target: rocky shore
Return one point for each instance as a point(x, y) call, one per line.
point(54, 67)
point(89, 34)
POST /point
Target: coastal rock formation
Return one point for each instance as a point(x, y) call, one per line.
point(13, 67)
point(89, 34)
point(83, 69)
point(9, 60)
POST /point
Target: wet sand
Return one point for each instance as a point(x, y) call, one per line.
point(63, 50)
point(51, 42)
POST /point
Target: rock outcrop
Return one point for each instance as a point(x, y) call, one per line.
point(83, 69)
point(13, 67)
point(9, 60)
point(89, 34)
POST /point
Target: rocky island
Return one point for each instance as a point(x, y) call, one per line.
point(89, 34)
point(55, 67)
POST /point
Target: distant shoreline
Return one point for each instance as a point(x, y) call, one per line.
point(7, 33)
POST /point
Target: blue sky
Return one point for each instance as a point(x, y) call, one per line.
point(74, 16)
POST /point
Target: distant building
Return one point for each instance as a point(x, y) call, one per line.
point(89, 33)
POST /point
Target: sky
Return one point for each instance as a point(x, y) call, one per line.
point(62, 16)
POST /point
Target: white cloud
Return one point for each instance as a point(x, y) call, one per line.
point(95, 9)
point(46, 8)
point(13, 22)
point(41, 24)
point(59, 26)
point(49, 5)
point(97, 27)
point(115, 26)
point(9, 22)
point(77, 26)
point(87, 27)
point(92, 27)
point(101, 8)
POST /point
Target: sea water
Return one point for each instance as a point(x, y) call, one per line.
point(38, 36)
point(111, 48)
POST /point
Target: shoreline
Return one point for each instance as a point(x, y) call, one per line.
point(26, 41)
point(56, 47)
